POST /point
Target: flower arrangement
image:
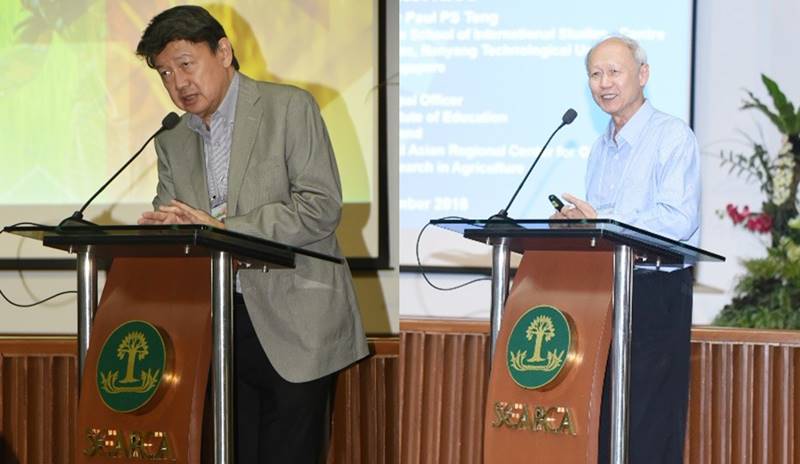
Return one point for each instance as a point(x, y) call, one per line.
point(768, 295)
point(755, 222)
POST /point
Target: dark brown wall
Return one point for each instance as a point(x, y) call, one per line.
point(38, 403)
point(443, 367)
point(365, 421)
point(744, 405)
point(38, 396)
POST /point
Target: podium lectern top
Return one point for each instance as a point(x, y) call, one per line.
point(567, 234)
point(167, 241)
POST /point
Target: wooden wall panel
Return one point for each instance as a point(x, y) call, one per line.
point(365, 411)
point(425, 407)
point(444, 375)
point(743, 405)
point(743, 394)
point(38, 404)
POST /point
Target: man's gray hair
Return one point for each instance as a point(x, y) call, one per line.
point(638, 52)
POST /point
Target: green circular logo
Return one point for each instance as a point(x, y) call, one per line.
point(538, 347)
point(131, 365)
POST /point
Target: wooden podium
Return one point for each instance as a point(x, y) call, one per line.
point(165, 313)
point(550, 336)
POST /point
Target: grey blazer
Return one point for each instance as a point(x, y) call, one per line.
point(283, 185)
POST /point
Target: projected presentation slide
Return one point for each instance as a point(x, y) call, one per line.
point(483, 83)
point(77, 102)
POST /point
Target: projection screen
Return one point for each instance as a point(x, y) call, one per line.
point(77, 103)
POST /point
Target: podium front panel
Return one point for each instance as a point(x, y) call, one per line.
point(546, 381)
point(144, 383)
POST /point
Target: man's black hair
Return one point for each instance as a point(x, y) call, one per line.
point(187, 22)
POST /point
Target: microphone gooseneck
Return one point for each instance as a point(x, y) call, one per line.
point(170, 121)
point(566, 119)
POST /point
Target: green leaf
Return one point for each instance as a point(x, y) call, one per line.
point(796, 128)
point(757, 104)
point(784, 106)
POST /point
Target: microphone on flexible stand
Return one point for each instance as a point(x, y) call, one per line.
point(502, 215)
point(171, 120)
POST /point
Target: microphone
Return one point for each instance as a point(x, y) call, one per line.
point(568, 117)
point(171, 120)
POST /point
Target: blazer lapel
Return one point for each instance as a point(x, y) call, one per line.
point(245, 129)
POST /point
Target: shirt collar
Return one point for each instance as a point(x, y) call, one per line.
point(632, 129)
point(226, 110)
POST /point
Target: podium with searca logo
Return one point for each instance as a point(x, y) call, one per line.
point(163, 323)
point(570, 303)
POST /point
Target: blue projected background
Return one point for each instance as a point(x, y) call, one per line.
point(483, 83)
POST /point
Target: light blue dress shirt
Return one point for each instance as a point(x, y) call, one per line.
point(649, 176)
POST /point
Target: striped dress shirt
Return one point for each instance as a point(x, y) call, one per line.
point(217, 147)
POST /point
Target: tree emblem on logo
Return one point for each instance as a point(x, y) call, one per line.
point(134, 344)
point(545, 333)
point(135, 349)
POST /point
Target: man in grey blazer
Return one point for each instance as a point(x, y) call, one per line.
point(255, 158)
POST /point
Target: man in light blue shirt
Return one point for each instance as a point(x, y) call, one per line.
point(645, 171)
point(647, 174)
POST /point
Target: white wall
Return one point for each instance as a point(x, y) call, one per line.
point(58, 316)
point(736, 40)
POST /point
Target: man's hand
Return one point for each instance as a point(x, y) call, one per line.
point(578, 209)
point(177, 212)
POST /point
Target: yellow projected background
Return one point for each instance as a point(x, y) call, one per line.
point(77, 102)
